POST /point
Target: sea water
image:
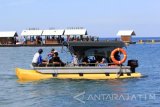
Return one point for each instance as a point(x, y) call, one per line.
point(135, 92)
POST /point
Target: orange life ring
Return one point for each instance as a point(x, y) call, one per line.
point(118, 50)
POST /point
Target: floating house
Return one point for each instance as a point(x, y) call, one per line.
point(75, 33)
point(8, 37)
point(32, 36)
point(126, 35)
point(53, 36)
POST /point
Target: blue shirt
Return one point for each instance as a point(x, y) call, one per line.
point(40, 59)
point(49, 57)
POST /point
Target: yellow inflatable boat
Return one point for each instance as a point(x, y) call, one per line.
point(29, 75)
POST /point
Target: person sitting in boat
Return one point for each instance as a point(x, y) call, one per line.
point(50, 55)
point(37, 59)
point(56, 61)
point(85, 61)
point(92, 61)
point(117, 57)
point(98, 57)
point(75, 61)
point(103, 62)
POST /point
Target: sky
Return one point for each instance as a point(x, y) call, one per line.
point(102, 18)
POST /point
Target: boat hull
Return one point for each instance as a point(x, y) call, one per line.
point(29, 75)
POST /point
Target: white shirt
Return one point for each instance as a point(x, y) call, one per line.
point(35, 58)
point(75, 60)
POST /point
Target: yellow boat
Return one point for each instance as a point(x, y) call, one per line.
point(28, 75)
point(91, 71)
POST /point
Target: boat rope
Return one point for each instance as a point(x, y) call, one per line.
point(120, 72)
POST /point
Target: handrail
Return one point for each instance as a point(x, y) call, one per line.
point(79, 65)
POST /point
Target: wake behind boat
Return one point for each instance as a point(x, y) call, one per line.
point(95, 60)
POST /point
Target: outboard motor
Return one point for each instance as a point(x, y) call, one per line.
point(133, 64)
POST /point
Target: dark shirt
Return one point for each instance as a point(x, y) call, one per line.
point(117, 56)
point(54, 59)
point(98, 58)
point(85, 59)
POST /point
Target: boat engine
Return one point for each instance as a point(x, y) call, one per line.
point(133, 64)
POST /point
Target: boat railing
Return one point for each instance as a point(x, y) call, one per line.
point(79, 65)
point(93, 64)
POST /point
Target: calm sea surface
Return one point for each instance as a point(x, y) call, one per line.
point(138, 92)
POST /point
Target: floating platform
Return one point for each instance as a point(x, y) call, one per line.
point(22, 45)
point(152, 41)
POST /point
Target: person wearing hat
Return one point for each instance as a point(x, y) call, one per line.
point(37, 59)
point(50, 55)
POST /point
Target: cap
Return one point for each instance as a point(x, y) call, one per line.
point(55, 51)
point(40, 50)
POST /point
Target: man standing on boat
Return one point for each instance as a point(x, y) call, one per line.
point(37, 59)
